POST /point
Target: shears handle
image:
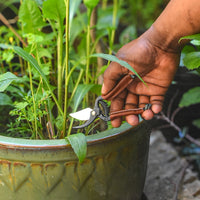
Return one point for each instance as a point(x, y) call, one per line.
point(135, 111)
point(121, 85)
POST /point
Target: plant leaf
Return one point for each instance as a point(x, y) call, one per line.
point(6, 3)
point(79, 145)
point(55, 10)
point(190, 97)
point(117, 60)
point(5, 99)
point(30, 16)
point(81, 91)
point(74, 5)
point(6, 79)
point(197, 123)
point(192, 60)
point(21, 105)
point(191, 37)
point(90, 4)
point(36, 66)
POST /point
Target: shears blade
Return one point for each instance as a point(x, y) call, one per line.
point(82, 114)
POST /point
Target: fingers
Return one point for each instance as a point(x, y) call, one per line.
point(147, 114)
point(111, 77)
point(155, 101)
point(118, 104)
point(131, 103)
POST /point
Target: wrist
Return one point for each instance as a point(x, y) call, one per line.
point(165, 40)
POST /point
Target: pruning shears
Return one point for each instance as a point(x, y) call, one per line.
point(101, 109)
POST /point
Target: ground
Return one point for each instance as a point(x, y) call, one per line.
point(169, 177)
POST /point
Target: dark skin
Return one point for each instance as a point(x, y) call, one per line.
point(155, 56)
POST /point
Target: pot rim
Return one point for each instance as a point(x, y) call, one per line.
point(21, 143)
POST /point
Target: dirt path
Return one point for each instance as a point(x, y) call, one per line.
point(169, 175)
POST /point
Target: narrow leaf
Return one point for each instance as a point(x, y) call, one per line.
point(79, 145)
point(6, 79)
point(36, 66)
point(190, 97)
point(81, 91)
point(74, 5)
point(117, 60)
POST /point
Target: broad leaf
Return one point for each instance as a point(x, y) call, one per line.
point(96, 89)
point(6, 79)
point(117, 60)
point(30, 16)
point(191, 37)
point(79, 145)
point(81, 91)
point(197, 123)
point(190, 97)
point(5, 100)
point(8, 55)
point(90, 4)
point(195, 42)
point(55, 10)
point(192, 60)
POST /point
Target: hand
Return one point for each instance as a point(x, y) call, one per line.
point(157, 68)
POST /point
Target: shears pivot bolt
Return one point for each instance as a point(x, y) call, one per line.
point(93, 113)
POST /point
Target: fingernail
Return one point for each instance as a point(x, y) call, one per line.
point(156, 108)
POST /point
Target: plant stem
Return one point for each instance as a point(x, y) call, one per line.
point(75, 87)
point(112, 37)
point(88, 49)
point(70, 127)
point(87, 71)
point(59, 63)
point(104, 4)
point(34, 105)
point(20, 61)
point(98, 46)
point(72, 95)
point(66, 65)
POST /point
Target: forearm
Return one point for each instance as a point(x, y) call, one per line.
point(180, 18)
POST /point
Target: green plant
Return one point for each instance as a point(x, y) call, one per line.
point(56, 75)
point(191, 59)
point(142, 14)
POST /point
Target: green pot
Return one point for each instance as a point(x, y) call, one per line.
point(114, 169)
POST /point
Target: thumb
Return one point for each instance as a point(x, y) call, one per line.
point(112, 75)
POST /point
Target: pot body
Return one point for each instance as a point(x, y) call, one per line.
point(114, 169)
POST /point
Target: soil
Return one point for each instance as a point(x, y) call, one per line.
point(169, 176)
